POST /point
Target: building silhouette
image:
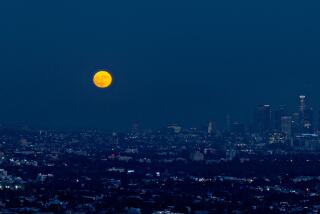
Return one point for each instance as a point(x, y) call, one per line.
point(262, 119)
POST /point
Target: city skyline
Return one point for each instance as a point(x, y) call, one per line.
point(197, 62)
point(220, 125)
point(159, 107)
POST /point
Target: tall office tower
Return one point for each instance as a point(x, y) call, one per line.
point(295, 123)
point(302, 103)
point(278, 114)
point(308, 120)
point(301, 107)
point(286, 125)
point(210, 128)
point(262, 119)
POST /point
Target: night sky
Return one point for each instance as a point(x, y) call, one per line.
point(185, 62)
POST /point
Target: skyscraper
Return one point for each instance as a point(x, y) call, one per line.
point(295, 123)
point(278, 114)
point(306, 119)
point(262, 119)
point(210, 128)
point(301, 107)
point(286, 125)
point(302, 104)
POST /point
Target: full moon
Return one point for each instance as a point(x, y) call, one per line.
point(102, 79)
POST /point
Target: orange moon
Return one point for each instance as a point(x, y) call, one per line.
point(102, 79)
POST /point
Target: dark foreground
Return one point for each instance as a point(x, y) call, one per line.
point(89, 172)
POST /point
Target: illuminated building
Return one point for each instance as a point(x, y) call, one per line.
point(286, 125)
point(302, 104)
point(308, 121)
point(278, 114)
point(305, 116)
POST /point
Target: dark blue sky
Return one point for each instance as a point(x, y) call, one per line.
point(172, 61)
